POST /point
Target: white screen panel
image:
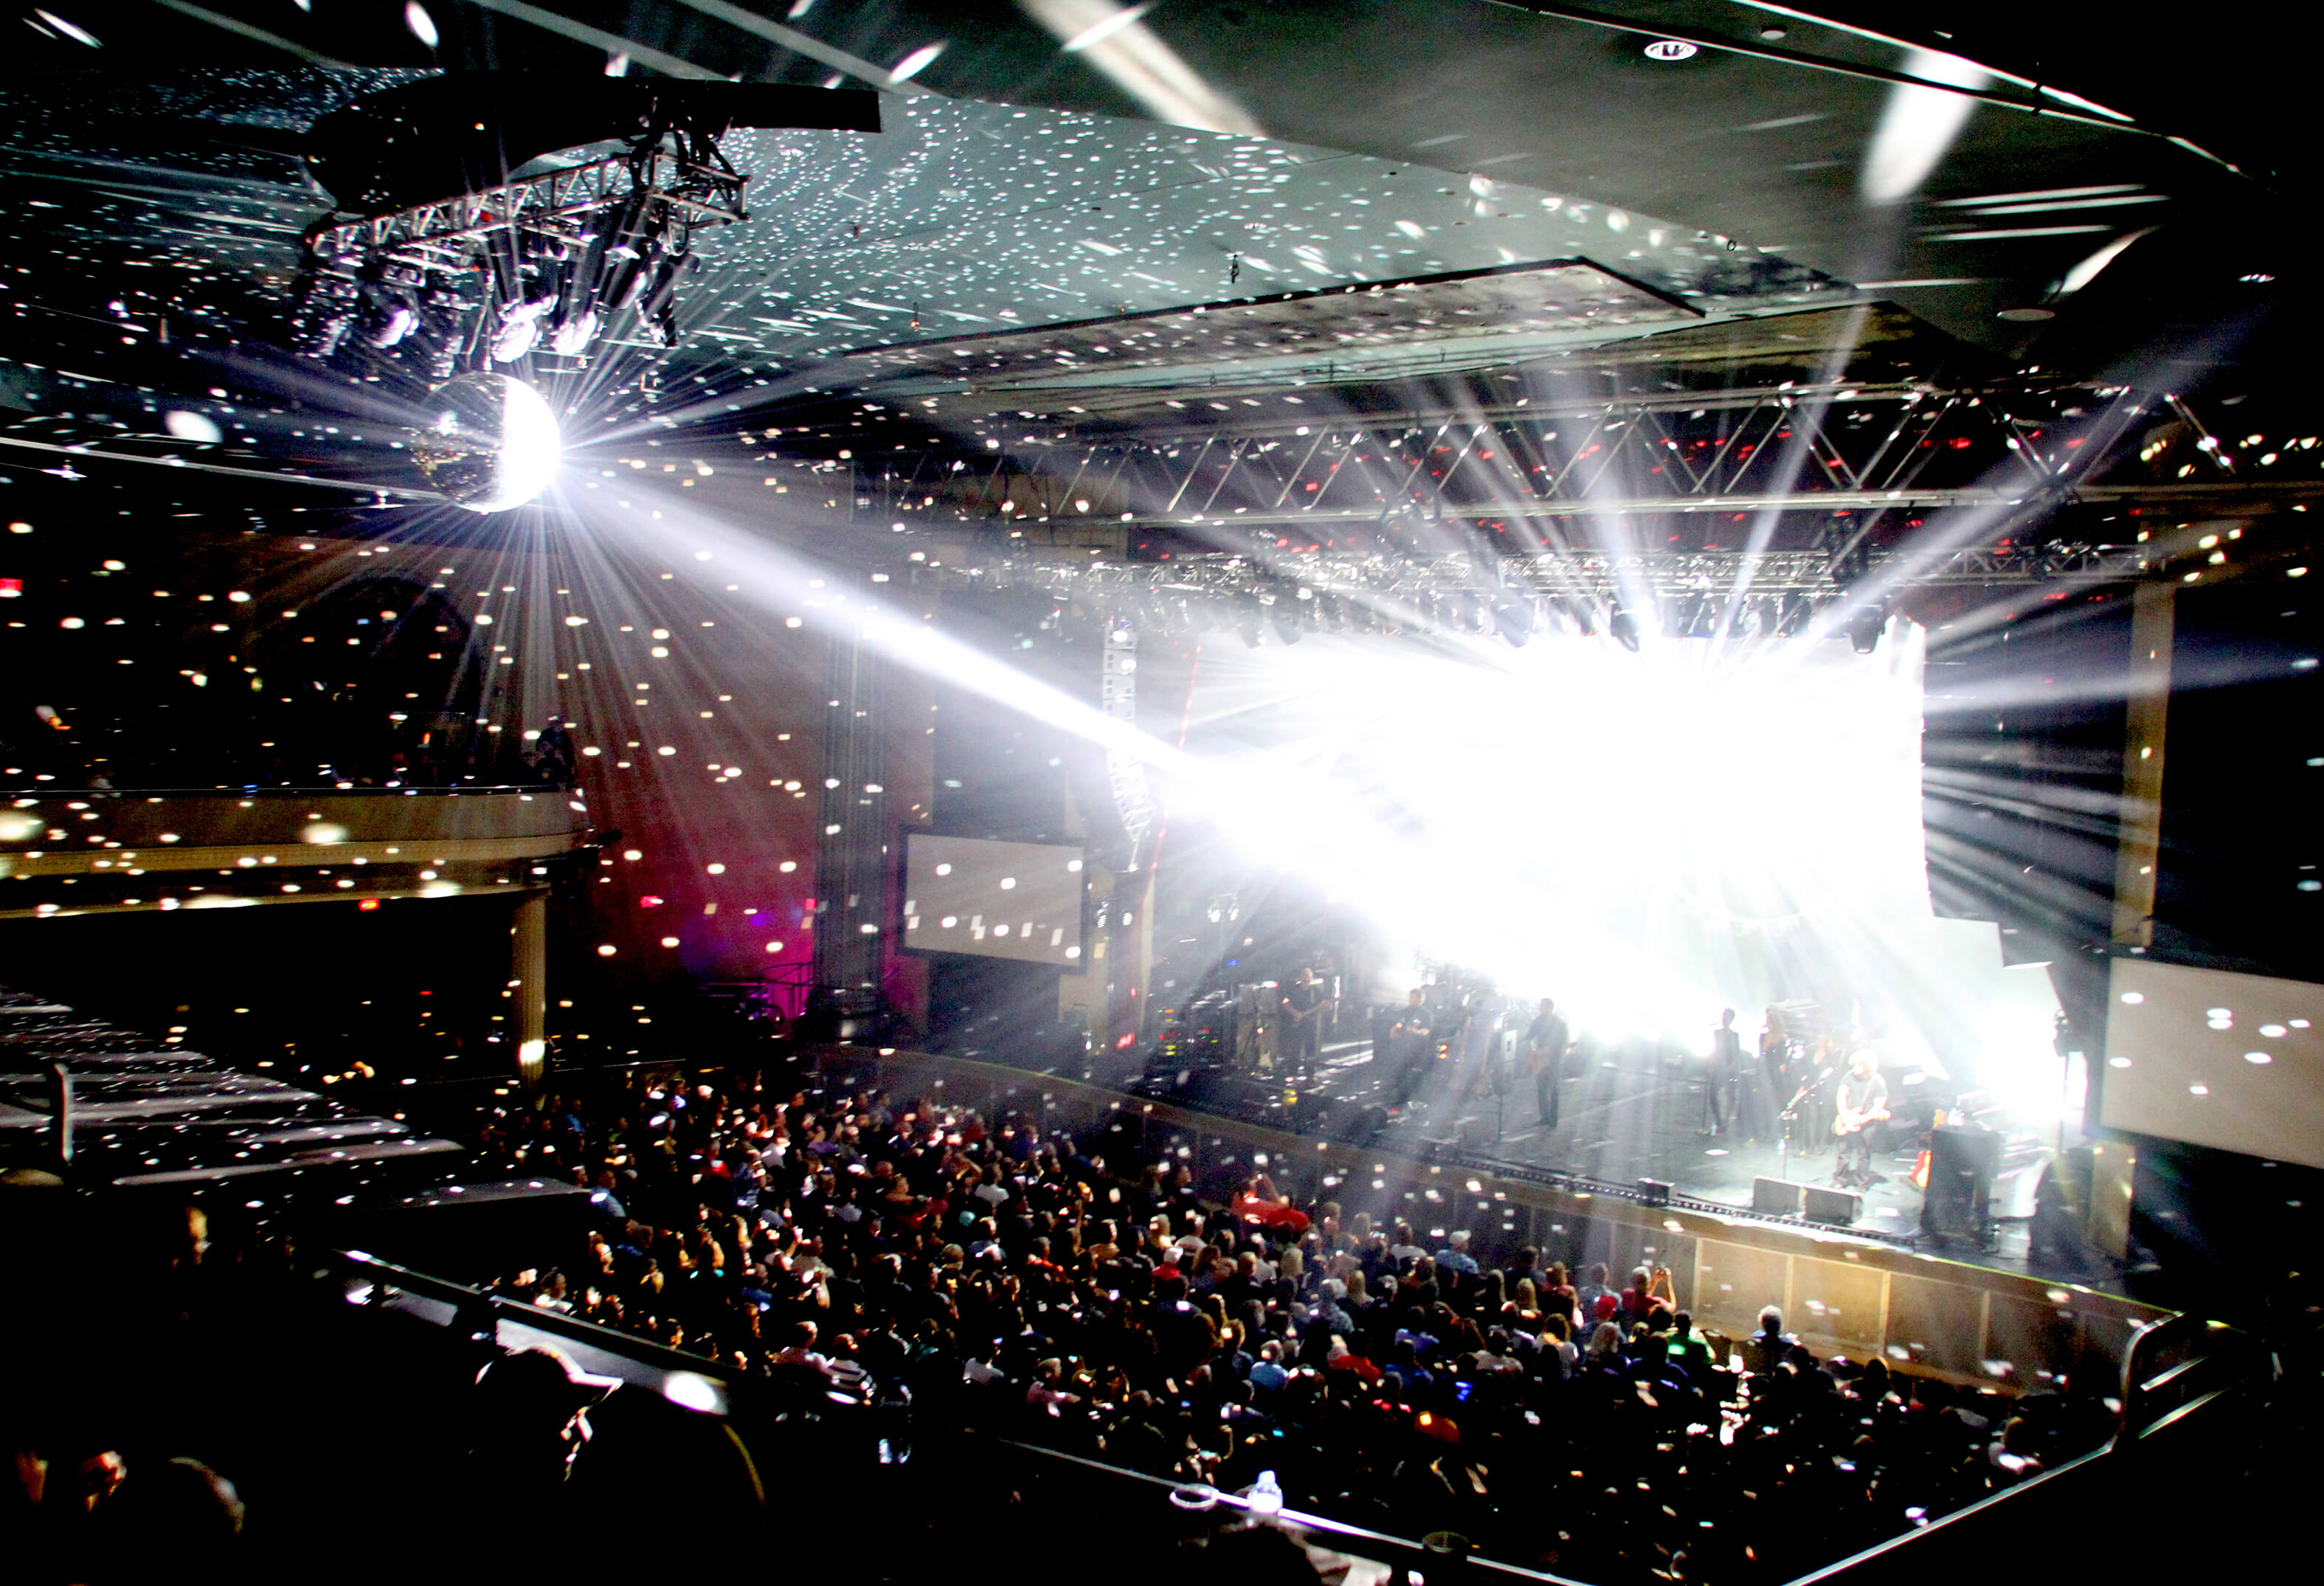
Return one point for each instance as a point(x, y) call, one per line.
point(1021, 900)
point(2230, 1061)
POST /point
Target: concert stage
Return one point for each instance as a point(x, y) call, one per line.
point(1620, 1124)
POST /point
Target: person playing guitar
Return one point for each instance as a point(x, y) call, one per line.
point(1301, 1041)
point(1861, 1101)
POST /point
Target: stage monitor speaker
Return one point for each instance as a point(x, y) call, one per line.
point(1972, 1150)
point(1654, 1192)
point(1962, 1165)
point(1837, 1207)
point(1780, 1196)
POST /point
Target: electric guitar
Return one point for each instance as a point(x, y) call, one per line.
point(1851, 1119)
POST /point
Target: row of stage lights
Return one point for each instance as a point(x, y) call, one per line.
point(1292, 612)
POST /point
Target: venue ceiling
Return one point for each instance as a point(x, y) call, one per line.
point(1084, 226)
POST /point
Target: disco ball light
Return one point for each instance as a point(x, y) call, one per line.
point(492, 443)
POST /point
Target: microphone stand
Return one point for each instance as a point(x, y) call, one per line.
point(1789, 1116)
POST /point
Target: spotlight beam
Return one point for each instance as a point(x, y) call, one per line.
point(1279, 815)
point(257, 35)
point(662, 60)
point(815, 50)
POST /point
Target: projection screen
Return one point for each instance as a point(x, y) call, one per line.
point(1021, 900)
point(2230, 1061)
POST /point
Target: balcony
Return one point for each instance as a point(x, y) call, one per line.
point(99, 851)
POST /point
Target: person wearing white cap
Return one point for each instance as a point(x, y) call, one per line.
point(1455, 1257)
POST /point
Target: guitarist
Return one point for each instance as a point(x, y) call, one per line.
point(1302, 1028)
point(1861, 1101)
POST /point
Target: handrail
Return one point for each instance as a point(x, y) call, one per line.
point(2178, 1329)
point(1380, 1545)
point(2155, 1396)
point(2221, 1369)
point(1961, 1518)
point(612, 1342)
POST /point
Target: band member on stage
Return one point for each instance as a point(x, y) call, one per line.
point(1300, 1043)
point(1411, 1046)
point(1725, 1069)
point(1814, 1075)
point(1861, 1101)
point(1747, 1109)
point(1448, 1020)
point(1775, 1056)
point(1545, 1043)
point(1481, 1049)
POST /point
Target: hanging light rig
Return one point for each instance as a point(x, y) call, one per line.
point(538, 271)
point(551, 263)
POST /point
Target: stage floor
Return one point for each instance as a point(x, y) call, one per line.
point(1621, 1124)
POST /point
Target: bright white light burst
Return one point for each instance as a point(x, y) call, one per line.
point(1647, 836)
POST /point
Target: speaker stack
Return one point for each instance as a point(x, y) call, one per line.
point(1778, 1198)
point(1962, 1165)
point(1810, 1203)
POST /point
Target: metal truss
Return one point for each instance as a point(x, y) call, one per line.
point(1133, 800)
point(434, 236)
point(1336, 585)
point(1855, 453)
point(556, 261)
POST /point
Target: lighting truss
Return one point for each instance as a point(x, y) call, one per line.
point(1511, 596)
point(1864, 450)
point(557, 263)
point(1125, 773)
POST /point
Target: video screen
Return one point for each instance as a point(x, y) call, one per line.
point(1021, 900)
point(2230, 1061)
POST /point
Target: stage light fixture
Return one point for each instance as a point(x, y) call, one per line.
point(1514, 619)
point(437, 248)
point(1864, 628)
point(1624, 627)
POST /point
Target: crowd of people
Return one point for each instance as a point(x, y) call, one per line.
point(947, 1268)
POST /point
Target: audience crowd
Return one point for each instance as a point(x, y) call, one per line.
point(950, 1270)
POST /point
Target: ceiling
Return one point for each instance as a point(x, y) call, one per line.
point(1391, 191)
